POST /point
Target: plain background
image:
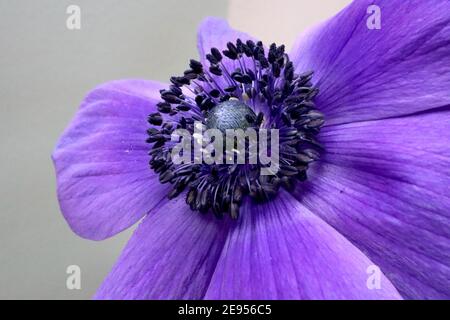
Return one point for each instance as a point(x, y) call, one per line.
point(46, 69)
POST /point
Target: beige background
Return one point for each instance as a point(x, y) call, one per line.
point(281, 21)
point(45, 70)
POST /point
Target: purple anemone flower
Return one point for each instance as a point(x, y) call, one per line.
point(364, 177)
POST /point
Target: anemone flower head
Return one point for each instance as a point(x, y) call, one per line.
point(363, 174)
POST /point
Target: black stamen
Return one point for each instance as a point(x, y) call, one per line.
point(224, 98)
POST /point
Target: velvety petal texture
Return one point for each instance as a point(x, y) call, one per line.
point(281, 250)
point(103, 177)
point(171, 255)
point(275, 251)
point(385, 185)
point(365, 73)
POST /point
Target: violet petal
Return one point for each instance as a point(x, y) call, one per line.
point(171, 255)
point(365, 74)
point(104, 181)
point(385, 185)
point(280, 250)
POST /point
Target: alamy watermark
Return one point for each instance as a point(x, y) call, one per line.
point(374, 277)
point(73, 281)
point(234, 146)
point(73, 21)
point(374, 20)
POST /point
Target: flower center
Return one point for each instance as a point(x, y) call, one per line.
point(230, 115)
point(245, 87)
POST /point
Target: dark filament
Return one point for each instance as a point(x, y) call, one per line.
point(265, 92)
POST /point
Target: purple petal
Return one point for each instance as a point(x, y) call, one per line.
point(171, 255)
point(368, 74)
point(104, 181)
point(385, 185)
point(281, 250)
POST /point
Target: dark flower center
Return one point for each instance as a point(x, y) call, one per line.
point(231, 115)
point(245, 87)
